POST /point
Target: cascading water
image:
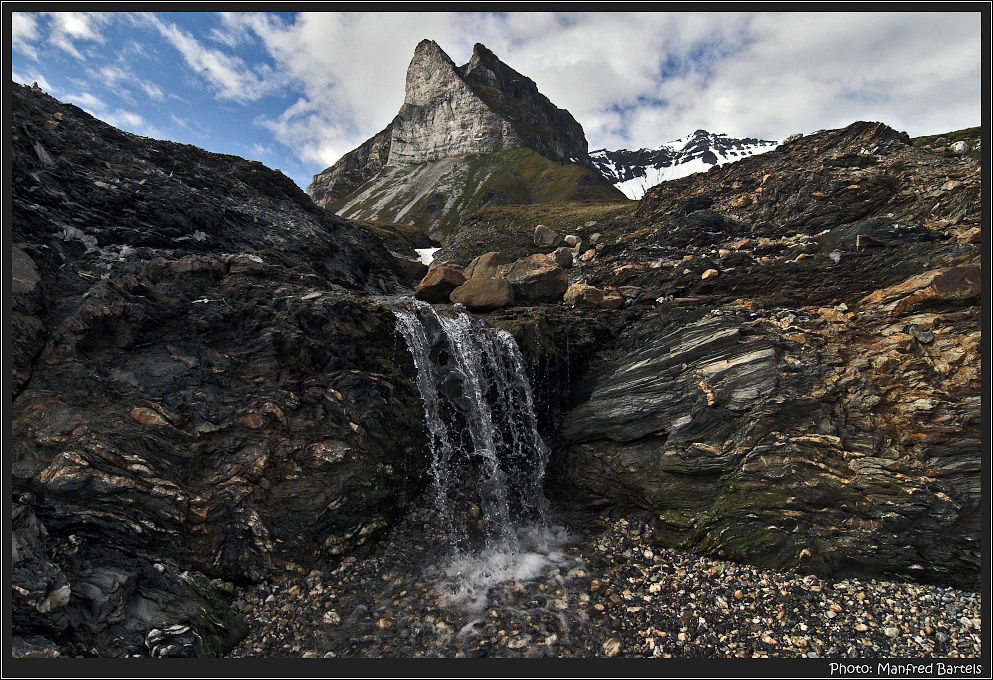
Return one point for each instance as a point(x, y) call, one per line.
point(487, 458)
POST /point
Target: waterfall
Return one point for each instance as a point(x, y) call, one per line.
point(487, 458)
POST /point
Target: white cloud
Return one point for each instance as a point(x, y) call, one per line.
point(119, 118)
point(66, 28)
point(229, 75)
point(24, 31)
point(125, 119)
point(123, 79)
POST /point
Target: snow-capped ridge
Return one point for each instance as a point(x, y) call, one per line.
point(636, 171)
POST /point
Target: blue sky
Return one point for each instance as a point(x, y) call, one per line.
point(296, 91)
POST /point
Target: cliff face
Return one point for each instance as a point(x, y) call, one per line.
point(353, 169)
point(442, 116)
point(430, 166)
point(798, 380)
point(540, 125)
point(201, 393)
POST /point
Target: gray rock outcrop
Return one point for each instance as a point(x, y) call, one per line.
point(449, 112)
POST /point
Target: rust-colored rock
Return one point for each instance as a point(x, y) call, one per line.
point(958, 284)
point(582, 295)
point(535, 279)
point(442, 278)
point(484, 295)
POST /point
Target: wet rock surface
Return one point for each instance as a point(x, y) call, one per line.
point(614, 592)
point(201, 387)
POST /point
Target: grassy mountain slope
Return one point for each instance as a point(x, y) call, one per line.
point(435, 196)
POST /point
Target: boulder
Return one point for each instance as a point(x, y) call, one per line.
point(960, 148)
point(535, 279)
point(414, 270)
point(485, 266)
point(561, 256)
point(546, 237)
point(484, 295)
point(442, 278)
point(582, 295)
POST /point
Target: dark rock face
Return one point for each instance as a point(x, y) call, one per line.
point(816, 404)
point(541, 126)
point(200, 396)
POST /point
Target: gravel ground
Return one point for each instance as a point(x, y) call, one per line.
point(609, 593)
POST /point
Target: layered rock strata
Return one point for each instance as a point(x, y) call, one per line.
point(201, 393)
point(799, 381)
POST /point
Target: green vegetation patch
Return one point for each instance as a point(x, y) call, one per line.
point(970, 135)
point(509, 177)
point(566, 217)
point(964, 134)
point(400, 238)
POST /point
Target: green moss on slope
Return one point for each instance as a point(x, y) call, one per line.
point(434, 197)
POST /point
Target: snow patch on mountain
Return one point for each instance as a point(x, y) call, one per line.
point(635, 171)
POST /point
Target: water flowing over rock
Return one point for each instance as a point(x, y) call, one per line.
point(487, 458)
point(472, 381)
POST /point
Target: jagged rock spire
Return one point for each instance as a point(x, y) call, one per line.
point(481, 107)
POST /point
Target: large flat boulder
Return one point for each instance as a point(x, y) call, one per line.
point(484, 295)
point(535, 279)
point(442, 278)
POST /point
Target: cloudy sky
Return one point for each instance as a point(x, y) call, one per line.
point(296, 91)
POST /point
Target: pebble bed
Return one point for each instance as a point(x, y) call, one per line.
point(612, 594)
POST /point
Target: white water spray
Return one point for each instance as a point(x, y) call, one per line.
point(487, 458)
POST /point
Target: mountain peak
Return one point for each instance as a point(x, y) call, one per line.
point(634, 172)
point(456, 121)
point(450, 111)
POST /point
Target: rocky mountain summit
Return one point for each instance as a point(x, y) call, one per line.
point(466, 136)
point(636, 171)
